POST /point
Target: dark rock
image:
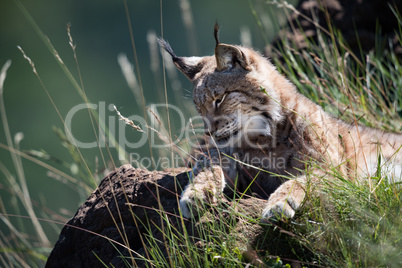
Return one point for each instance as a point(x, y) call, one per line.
point(123, 202)
point(112, 226)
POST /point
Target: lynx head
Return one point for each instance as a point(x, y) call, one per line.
point(228, 91)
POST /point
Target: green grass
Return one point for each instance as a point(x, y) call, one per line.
point(349, 223)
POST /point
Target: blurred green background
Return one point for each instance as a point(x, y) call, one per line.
point(100, 31)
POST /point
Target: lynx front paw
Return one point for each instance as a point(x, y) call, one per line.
point(279, 210)
point(186, 207)
point(284, 202)
point(203, 191)
point(195, 199)
point(192, 204)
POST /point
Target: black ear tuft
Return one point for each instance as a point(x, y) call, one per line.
point(166, 46)
point(216, 33)
point(189, 66)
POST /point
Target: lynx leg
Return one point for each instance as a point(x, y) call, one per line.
point(204, 189)
point(284, 201)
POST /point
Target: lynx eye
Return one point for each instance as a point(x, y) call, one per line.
point(219, 101)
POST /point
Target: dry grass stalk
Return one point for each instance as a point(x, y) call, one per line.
point(128, 121)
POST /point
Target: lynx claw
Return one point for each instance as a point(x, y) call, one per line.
point(284, 202)
point(205, 189)
point(192, 203)
point(187, 208)
point(279, 211)
point(282, 209)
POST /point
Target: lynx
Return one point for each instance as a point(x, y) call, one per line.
point(267, 139)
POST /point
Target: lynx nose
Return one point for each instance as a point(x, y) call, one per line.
point(210, 127)
point(208, 132)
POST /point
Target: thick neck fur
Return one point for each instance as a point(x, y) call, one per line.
point(319, 135)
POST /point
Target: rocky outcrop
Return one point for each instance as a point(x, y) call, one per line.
point(113, 224)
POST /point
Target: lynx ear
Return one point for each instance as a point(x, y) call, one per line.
point(189, 66)
point(227, 56)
